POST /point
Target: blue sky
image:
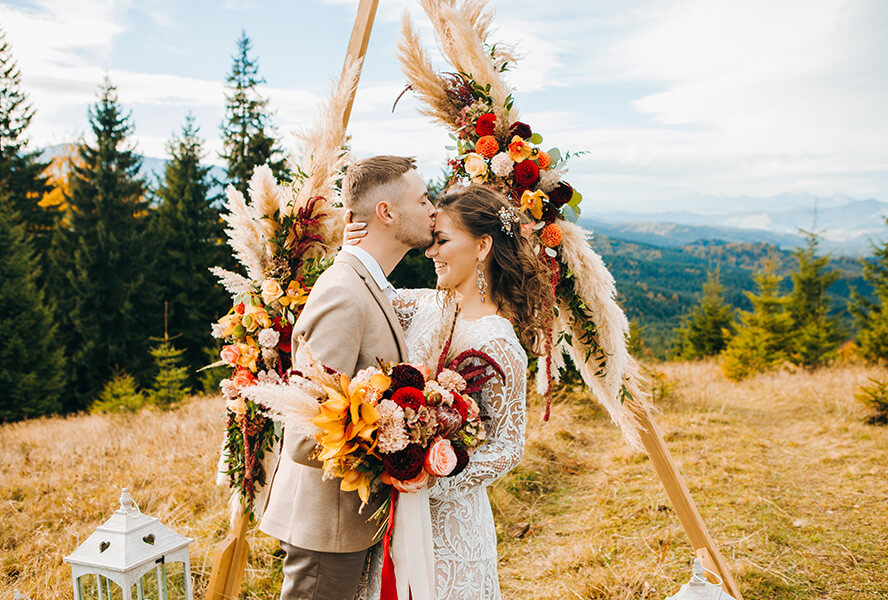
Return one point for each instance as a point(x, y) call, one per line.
point(676, 101)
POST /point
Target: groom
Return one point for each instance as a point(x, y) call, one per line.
point(348, 323)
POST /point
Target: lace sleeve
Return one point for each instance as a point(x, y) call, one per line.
point(504, 404)
point(407, 302)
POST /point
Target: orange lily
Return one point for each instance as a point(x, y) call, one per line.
point(296, 295)
point(533, 201)
point(356, 480)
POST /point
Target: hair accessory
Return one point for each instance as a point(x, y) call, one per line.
point(509, 216)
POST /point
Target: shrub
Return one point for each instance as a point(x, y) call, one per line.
point(875, 395)
point(120, 394)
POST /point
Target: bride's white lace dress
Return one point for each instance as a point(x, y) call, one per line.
point(462, 521)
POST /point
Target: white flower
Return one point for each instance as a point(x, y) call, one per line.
point(501, 164)
point(229, 390)
point(452, 380)
point(549, 178)
point(218, 330)
point(433, 388)
point(269, 376)
point(392, 433)
point(269, 338)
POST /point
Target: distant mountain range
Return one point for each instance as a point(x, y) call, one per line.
point(849, 225)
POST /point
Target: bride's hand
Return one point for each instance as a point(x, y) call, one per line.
point(353, 232)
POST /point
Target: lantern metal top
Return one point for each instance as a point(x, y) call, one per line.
point(698, 588)
point(127, 540)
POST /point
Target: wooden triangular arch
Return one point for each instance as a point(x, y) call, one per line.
point(230, 557)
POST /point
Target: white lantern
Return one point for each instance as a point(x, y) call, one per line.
point(133, 553)
point(700, 589)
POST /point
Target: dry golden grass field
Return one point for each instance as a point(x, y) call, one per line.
point(787, 474)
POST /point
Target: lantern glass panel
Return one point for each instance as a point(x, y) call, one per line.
point(150, 585)
point(96, 587)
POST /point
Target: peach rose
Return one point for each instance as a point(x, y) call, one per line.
point(271, 291)
point(230, 354)
point(243, 378)
point(411, 486)
point(476, 166)
point(440, 459)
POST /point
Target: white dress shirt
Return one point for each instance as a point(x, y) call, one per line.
point(373, 267)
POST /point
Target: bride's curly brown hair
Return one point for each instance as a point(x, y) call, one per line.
point(521, 283)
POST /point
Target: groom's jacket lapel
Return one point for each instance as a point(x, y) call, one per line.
point(381, 299)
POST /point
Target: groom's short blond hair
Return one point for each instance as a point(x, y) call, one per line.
point(364, 180)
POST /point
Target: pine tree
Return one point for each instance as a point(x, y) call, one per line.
point(762, 341)
point(21, 171)
point(247, 132)
point(104, 258)
point(709, 327)
point(171, 378)
point(871, 316)
point(31, 361)
point(188, 232)
point(815, 333)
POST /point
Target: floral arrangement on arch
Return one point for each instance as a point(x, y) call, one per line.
point(475, 103)
point(284, 237)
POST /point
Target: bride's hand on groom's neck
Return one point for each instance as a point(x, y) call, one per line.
point(353, 232)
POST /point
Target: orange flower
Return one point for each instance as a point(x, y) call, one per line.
point(346, 419)
point(295, 296)
point(487, 146)
point(533, 201)
point(519, 149)
point(551, 235)
point(544, 160)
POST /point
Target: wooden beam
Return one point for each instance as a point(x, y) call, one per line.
point(684, 506)
point(357, 45)
point(230, 557)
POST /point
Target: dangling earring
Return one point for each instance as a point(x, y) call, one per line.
point(481, 281)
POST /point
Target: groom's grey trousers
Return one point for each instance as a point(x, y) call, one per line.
point(311, 575)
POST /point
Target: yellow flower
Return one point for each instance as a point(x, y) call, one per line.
point(255, 318)
point(357, 480)
point(230, 322)
point(475, 166)
point(295, 297)
point(346, 420)
point(519, 149)
point(533, 201)
point(249, 354)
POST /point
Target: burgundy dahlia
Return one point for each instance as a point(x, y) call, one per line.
point(561, 194)
point(409, 397)
point(486, 124)
point(462, 459)
point(407, 376)
point(520, 129)
point(526, 173)
point(461, 406)
point(405, 464)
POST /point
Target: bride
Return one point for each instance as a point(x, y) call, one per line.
point(490, 281)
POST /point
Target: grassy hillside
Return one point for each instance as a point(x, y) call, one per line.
point(787, 475)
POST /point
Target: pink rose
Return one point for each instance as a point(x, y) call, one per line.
point(440, 459)
point(411, 486)
point(243, 378)
point(230, 354)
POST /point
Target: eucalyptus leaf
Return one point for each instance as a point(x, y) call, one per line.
point(536, 139)
point(555, 155)
point(570, 213)
point(450, 147)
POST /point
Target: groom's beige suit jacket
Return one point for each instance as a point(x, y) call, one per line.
point(348, 323)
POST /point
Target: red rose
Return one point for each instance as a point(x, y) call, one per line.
point(526, 173)
point(404, 375)
point(404, 464)
point(520, 129)
point(486, 124)
point(408, 397)
point(561, 194)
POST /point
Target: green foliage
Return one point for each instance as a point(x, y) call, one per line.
point(119, 394)
point(171, 379)
point(762, 341)
point(875, 395)
point(187, 233)
point(103, 258)
point(31, 362)
point(871, 315)
point(707, 330)
point(816, 334)
point(246, 131)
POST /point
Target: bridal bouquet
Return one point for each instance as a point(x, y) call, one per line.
point(392, 423)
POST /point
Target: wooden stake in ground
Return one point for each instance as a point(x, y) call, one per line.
point(684, 506)
point(230, 557)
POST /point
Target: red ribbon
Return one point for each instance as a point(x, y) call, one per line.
point(388, 588)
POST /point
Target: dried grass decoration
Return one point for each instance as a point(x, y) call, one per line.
point(492, 147)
